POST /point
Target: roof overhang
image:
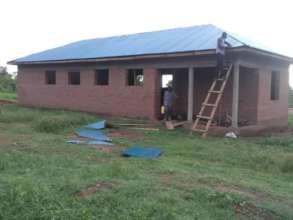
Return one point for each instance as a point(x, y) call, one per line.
point(152, 56)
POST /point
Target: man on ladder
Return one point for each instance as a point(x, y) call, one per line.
point(211, 102)
point(220, 51)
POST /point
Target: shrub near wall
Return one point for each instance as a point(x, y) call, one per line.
point(7, 83)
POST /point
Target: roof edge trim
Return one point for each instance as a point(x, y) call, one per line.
point(163, 55)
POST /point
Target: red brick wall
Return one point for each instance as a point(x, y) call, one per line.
point(272, 112)
point(248, 98)
point(115, 99)
point(121, 100)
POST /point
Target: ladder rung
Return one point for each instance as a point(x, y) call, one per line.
point(208, 104)
point(204, 117)
point(214, 91)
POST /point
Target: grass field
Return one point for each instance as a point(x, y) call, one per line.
point(43, 177)
point(8, 96)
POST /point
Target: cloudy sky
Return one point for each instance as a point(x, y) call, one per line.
point(33, 25)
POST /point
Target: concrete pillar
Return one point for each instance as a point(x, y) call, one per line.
point(235, 99)
point(190, 93)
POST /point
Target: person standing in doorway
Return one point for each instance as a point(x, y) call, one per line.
point(169, 97)
point(221, 52)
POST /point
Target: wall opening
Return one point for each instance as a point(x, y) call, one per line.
point(50, 77)
point(135, 77)
point(102, 77)
point(275, 85)
point(74, 78)
point(167, 79)
point(178, 79)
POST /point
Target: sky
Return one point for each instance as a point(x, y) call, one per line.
point(34, 25)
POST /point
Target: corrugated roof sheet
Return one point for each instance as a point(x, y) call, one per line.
point(195, 38)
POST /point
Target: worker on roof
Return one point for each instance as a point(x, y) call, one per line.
point(220, 51)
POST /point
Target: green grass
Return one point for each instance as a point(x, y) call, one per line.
point(8, 96)
point(40, 174)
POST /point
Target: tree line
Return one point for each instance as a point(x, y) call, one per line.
point(7, 81)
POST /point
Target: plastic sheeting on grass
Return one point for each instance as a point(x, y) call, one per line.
point(143, 152)
point(97, 125)
point(94, 142)
point(96, 135)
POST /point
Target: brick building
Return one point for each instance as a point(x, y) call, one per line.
point(124, 76)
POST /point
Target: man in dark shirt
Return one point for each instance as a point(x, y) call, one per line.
point(221, 52)
point(169, 97)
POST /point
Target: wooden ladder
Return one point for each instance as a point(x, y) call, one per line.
point(207, 119)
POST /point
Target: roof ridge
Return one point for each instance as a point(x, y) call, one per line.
point(146, 32)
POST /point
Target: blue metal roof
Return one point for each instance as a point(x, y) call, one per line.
point(195, 38)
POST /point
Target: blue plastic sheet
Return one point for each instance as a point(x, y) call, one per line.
point(97, 125)
point(143, 152)
point(95, 142)
point(96, 135)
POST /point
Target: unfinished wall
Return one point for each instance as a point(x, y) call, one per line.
point(115, 99)
point(269, 112)
point(272, 112)
point(248, 89)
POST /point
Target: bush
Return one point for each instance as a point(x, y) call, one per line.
point(7, 84)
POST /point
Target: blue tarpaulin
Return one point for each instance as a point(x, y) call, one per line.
point(144, 152)
point(96, 135)
point(95, 142)
point(97, 125)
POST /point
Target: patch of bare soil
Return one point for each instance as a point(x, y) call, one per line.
point(250, 211)
point(166, 179)
point(131, 135)
point(98, 186)
point(5, 102)
point(4, 140)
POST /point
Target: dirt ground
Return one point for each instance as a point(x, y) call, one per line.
point(5, 102)
point(4, 140)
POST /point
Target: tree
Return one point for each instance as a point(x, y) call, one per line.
point(7, 83)
point(3, 70)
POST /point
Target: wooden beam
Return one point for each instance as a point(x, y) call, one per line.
point(235, 99)
point(190, 93)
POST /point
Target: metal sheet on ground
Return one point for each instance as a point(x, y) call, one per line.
point(143, 152)
point(96, 135)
